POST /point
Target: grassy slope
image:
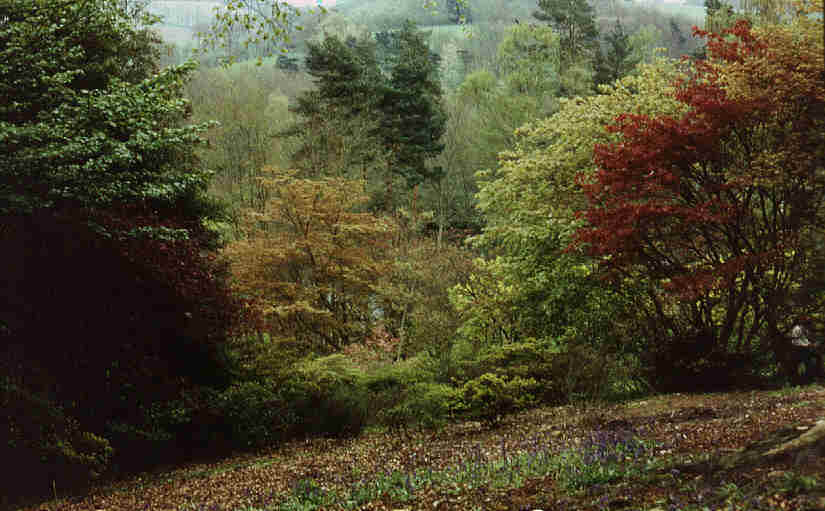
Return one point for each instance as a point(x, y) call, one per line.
point(467, 467)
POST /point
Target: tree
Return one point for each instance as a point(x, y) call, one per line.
point(110, 281)
point(398, 110)
point(86, 124)
point(271, 23)
point(339, 130)
point(412, 114)
point(620, 58)
point(718, 210)
point(575, 22)
point(528, 286)
point(529, 57)
point(308, 261)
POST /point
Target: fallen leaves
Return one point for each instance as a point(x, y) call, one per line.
point(684, 426)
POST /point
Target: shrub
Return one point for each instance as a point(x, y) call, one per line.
point(562, 374)
point(330, 397)
point(48, 447)
point(254, 414)
point(423, 405)
point(388, 385)
point(490, 396)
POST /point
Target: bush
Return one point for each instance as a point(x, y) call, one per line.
point(252, 414)
point(423, 405)
point(388, 385)
point(490, 396)
point(47, 446)
point(324, 396)
point(562, 374)
point(330, 397)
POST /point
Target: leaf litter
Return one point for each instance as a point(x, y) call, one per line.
point(465, 466)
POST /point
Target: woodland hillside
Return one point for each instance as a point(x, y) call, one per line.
point(383, 218)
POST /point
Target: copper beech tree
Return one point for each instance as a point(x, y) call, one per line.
point(309, 259)
point(719, 211)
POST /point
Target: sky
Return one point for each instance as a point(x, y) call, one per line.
point(307, 3)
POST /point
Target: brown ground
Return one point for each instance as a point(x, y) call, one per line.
point(709, 454)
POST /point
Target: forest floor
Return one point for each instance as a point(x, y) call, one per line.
point(664, 453)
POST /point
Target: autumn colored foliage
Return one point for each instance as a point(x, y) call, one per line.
point(309, 258)
point(720, 209)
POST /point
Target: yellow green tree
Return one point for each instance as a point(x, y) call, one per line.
point(528, 287)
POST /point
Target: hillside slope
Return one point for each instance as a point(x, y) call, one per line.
point(680, 452)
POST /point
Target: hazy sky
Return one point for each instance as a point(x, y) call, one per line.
point(304, 3)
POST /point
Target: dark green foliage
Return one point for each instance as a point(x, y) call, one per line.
point(399, 94)
point(346, 74)
point(575, 21)
point(45, 444)
point(349, 86)
point(404, 395)
point(83, 125)
point(413, 117)
point(618, 60)
point(329, 397)
point(249, 414)
point(114, 301)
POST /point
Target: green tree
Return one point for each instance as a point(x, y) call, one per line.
point(85, 123)
point(110, 283)
point(338, 129)
point(529, 57)
point(575, 22)
point(528, 285)
point(397, 111)
point(412, 114)
point(619, 59)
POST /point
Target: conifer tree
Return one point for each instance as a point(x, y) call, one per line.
point(619, 59)
point(575, 21)
point(413, 116)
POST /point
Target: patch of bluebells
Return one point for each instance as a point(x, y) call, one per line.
point(602, 457)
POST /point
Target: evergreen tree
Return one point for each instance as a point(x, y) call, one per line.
point(575, 22)
point(394, 102)
point(113, 302)
point(412, 114)
point(349, 84)
point(619, 59)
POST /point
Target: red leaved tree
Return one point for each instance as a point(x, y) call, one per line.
point(719, 212)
